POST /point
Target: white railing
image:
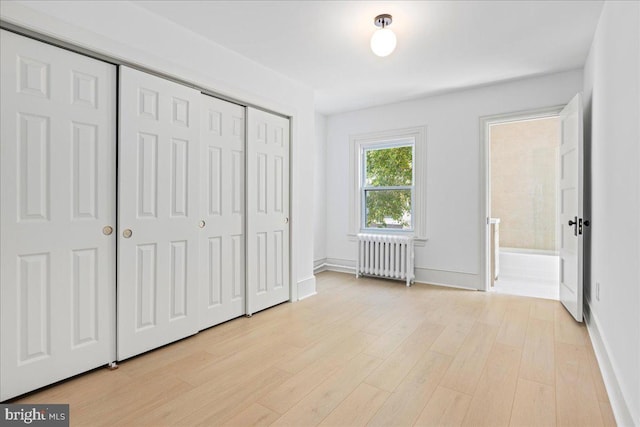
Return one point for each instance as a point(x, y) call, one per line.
point(384, 255)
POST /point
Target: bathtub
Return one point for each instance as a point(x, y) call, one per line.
point(529, 264)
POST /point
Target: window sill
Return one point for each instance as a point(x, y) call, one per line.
point(417, 241)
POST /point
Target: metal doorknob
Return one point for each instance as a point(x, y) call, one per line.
point(127, 233)
point(107, 230)
point(201, 224)
point(574, 223)
point(286, 220)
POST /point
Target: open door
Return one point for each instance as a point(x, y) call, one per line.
point(571, 207)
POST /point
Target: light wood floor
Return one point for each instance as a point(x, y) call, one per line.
point(361, 352)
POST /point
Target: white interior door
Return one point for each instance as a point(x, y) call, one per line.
point(267, 210)
point(571, 207)
point(57, 192)
point(222, 254)
point(158, 212)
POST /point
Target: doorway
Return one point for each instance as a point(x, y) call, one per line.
point(522, 204)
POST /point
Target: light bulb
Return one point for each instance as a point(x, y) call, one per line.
point(383, 42)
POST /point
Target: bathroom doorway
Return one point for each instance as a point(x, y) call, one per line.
point(523, 163)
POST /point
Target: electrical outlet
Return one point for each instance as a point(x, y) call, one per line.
point(597, 291)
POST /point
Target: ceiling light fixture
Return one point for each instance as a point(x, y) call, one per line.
point(383, 41)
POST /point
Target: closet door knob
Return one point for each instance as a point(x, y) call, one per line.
point(202, 224)
point(107, 230)
point(127, 233)
point(286, 220)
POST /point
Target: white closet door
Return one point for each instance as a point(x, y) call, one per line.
point(57, 192)
point(267, 210)
point(158, 212)
point(222, 266)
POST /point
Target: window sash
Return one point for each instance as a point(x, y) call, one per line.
point(363, 208)
point(364, 187)
point(386, 146)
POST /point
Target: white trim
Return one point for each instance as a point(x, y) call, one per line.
point(341, 265)
point(293, 290)
point(610, 375)
point(306, 288)
point(484, 180)
point(356, 142)
point(449, 279)
point(319, 265)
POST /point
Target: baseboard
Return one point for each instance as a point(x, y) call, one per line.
point(319, 265)
point(306, 288)
point(448, 279)
point(621, 409)
point(340, 265)
point(451, 279)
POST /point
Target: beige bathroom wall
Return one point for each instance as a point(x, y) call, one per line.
point(524, 169)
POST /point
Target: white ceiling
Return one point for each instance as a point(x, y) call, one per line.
point(442, 45)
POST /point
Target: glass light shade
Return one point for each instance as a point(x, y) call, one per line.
point(383, 42)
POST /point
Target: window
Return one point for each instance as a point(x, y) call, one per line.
point(388, 183)
point(387, 186)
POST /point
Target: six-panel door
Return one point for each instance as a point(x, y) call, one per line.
point(158, 212)
point(222, 267)
point(267, 210)
point(58, 198)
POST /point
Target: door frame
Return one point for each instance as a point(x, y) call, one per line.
point(485, 178)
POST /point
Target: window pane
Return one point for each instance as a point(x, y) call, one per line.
point(388, 209)
point(389, 166)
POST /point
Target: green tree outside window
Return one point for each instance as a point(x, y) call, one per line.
point(388, 187)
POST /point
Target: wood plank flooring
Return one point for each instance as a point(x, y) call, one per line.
point(361, 352)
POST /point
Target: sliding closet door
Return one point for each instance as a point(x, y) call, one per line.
point(267, 210)
point(222, 266)
point(57, 192)
point(158, 212)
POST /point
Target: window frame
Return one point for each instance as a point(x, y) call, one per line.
point(364, 148)
point(357, 143)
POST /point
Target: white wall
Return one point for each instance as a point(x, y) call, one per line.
point(319, 189)
point(451, 256)
point(123, 30)
point(612, 97)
